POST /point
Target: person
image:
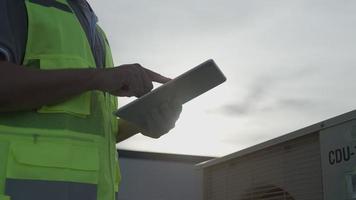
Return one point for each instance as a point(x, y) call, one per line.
point(58, 90)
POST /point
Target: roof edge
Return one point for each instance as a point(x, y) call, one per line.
point(123, 153)
point(289, 136)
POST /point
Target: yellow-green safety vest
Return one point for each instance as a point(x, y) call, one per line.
point(71, 144)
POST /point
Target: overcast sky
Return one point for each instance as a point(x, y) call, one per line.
point(289, 64)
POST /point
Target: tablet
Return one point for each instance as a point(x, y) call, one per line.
point(184, 88)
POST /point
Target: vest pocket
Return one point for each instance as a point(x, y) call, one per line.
point(78, 105)
point(54, 161)
point(3, 197)
point(4, 152)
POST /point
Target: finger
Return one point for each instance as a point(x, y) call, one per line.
point(177, 106)
point(142, 81)
point(171, 111)
point(137, 90)
point(158, 124)
point(157, 77)
point(149, 126)
point(169, 114)
point(140, 88)
point(146, 82)
point(137, 83)
point(174, 107)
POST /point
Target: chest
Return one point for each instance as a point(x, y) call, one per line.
point(62, 28)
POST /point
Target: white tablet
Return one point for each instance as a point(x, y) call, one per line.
point(184, 88)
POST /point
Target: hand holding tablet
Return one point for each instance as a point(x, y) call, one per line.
point(182, 89)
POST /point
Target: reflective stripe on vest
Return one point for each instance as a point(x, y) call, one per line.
point(49, 190)
point(73, 141)
point(92, 124)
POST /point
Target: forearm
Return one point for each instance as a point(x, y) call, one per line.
point(22, 88)
point(126, 130)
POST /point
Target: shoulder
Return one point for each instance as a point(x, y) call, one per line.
point(12, 5)
point(13, 13)
point(13, 28)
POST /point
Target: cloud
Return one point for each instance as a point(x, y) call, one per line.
point(288, 63)
point(267, 87)
point(295, 103)
point(256, 93)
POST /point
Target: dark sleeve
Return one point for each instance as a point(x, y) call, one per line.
point(13, 30)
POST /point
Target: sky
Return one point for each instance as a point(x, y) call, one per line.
point(289, 64)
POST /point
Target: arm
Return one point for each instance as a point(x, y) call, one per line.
point(126, 130)
point(22, 88)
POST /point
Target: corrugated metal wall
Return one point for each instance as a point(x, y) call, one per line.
point(159, 179)
point(293, 167)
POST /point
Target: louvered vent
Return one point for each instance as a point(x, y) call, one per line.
point(268, 192)
point(266, 174)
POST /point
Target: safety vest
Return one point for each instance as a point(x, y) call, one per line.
point(63, 151)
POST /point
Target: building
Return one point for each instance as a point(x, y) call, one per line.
point(157, 176)
point(314, 163)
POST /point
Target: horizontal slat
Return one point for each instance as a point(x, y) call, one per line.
point(293, 166)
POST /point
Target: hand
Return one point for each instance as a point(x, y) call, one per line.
point(161, 120)
point(129, 80)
